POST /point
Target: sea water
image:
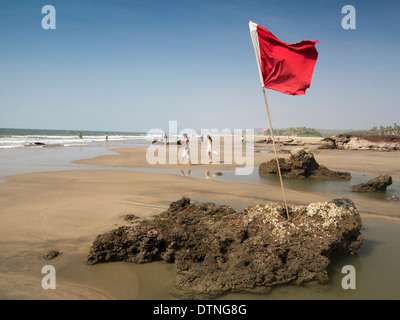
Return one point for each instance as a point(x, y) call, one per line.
point(39, 138)
point(35, 150)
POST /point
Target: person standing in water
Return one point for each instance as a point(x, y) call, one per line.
point(106, 136)
point(80, 135)
point(185, 147)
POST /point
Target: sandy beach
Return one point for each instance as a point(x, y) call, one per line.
point(65, 210)
point(99, 102)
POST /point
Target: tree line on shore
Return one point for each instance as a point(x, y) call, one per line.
point(299, 131)
point(389, 130)
point(311, 132)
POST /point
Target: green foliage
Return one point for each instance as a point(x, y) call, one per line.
point(299, 131)
point(310, 132)
point(395, 130)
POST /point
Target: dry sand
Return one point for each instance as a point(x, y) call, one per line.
point(66, 210)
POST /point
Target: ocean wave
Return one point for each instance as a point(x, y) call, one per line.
point(63, 140)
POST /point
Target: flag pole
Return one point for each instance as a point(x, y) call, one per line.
point(276, 155)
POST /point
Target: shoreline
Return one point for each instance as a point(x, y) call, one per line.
point(132, 159)
point(361, 161)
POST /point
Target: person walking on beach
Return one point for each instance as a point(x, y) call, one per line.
point(209, 149)
point(185, 147)
point(165, 138)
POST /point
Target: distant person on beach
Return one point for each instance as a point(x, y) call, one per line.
point(80, 135)
point(106, 136)
point(185, 147)
point(209, 149)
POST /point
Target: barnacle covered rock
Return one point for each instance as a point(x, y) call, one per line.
point(216, 249)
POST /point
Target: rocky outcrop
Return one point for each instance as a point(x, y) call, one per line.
point(356, 142)
point(292, 142)
point(327, 143)
point(301, 164)
point(216, 249)
point(178, 142)
point(378, 184)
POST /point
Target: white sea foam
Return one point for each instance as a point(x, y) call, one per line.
point(43, 141)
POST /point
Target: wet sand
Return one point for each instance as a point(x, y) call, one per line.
point(66, 210)
point(363, 161)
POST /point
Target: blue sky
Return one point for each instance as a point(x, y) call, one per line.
point(120, 65)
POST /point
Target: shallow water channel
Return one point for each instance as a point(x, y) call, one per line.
point(376, 269)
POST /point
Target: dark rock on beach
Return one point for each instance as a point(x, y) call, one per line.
point(378, 184)
point(262, 141)
point(301, 164)
point(178, 143)
point(327, 143)
point(292, 142)
point(35, 144)
point(130, 217)
point(216, 249)
point(51, 254)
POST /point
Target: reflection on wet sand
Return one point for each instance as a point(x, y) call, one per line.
point(187, 174)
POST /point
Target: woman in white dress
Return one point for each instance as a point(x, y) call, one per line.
point(209, 149)
point(185, 147)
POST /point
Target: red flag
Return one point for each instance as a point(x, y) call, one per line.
point(283, 67)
